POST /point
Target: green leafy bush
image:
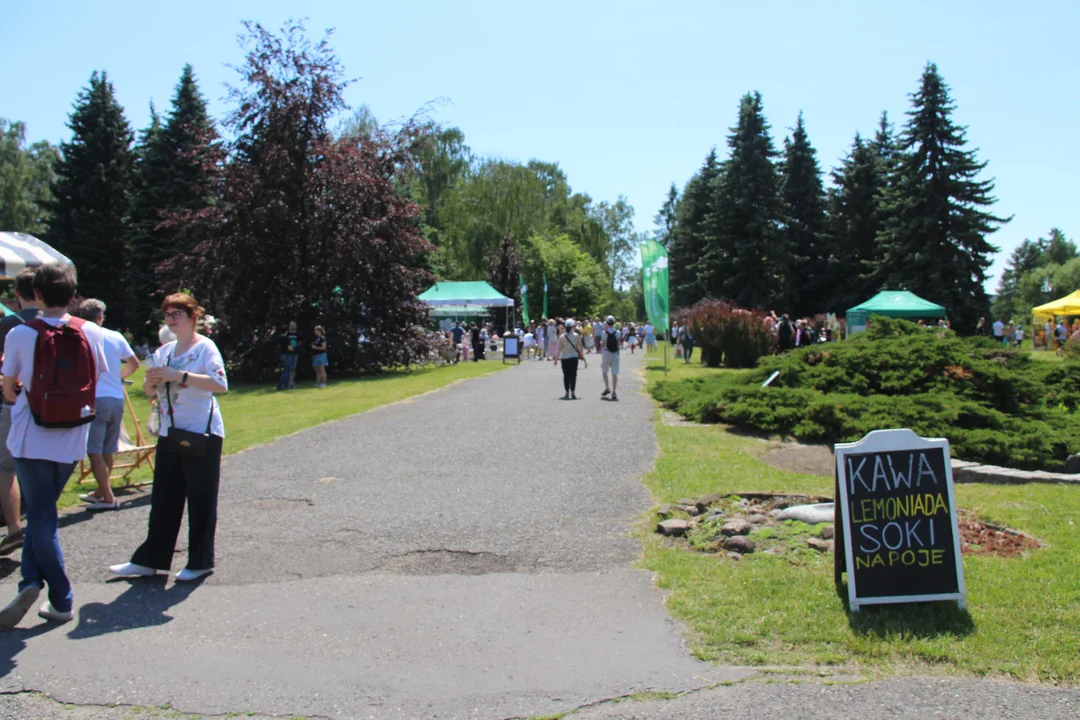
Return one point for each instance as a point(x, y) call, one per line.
point(994, 405)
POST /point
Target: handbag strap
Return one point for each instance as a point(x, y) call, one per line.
point(168, 398)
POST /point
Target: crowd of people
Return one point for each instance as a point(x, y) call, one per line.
point(81, 368)
point(1055, 333)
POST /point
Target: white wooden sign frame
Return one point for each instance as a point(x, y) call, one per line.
point(891, 441)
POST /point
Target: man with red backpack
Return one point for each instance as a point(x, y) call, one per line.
point(51, 367)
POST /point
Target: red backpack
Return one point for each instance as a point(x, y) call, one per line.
point(64, 384)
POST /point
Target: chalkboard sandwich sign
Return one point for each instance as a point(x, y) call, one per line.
point(901, 540)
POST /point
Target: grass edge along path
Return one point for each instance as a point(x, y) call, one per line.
point(763, 610)
point(258, 414)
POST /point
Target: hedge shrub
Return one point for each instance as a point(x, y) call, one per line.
point(994, 405)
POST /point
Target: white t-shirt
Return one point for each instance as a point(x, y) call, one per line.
point(649, 330)
point(1019, 334)
point(27, 440)
point(999, 328)
point(117, 351)
point(191, 407)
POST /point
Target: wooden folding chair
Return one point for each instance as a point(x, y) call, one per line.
point(129, 456)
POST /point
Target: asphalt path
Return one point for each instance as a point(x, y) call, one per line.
point(468, 553)
point(465, 554)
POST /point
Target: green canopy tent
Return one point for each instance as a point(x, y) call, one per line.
point(891, 303)
point(464, 299)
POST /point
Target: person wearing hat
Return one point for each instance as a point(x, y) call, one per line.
point(570, 351)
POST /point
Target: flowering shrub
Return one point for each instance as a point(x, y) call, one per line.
point(727, 335)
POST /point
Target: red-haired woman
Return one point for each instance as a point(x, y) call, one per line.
point(185, 376)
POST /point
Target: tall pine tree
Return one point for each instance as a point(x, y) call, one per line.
point(805, 225)
point(691, 233)
point(91, 197)
point(935, 235)
point(148, 244)
point(747, 260)
point(855, 221)
point(177, 167)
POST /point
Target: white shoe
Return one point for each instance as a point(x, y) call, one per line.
point(187, 574)
point(48, 612)
point(13, 614)
point(95, 505)
point(132, 570)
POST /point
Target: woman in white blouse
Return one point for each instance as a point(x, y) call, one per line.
point(185, 376)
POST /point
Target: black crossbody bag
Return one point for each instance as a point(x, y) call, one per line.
point(185, 441)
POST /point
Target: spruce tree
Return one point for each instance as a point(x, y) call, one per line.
point(148, 243)
point(805, 225)
point(747, 260)
point(177, 166)
point(91, 197)
point(935, 234)
point(691, 233)
point(855, 221)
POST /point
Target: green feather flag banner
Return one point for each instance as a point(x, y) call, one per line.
point(524, 300)
point(654, 281)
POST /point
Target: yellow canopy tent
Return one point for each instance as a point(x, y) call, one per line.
point(1068, 305)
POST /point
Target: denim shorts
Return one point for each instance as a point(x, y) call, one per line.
point(105, 430)
point(319, 360)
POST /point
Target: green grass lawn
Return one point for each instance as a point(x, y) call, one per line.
point(256, 414)
point(1024, 620)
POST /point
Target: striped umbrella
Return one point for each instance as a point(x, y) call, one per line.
point(19, 250)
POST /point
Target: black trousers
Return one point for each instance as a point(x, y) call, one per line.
point(569, 374)
point(180, 479)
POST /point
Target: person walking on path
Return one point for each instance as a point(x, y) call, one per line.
point(552, 335)
point(570, 352)
point(10, 498)
point(109, 407)
point(609, 361)
point(185, 376)
point(45, 456)
point(687, 342)
point(318, 360)
point(290, 356)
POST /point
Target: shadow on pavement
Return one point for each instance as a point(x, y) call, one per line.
point(13, 641)
point(144, 604)
point(76, 516)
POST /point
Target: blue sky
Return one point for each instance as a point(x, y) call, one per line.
point(626, 96)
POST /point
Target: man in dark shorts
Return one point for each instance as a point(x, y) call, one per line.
point(10, 499)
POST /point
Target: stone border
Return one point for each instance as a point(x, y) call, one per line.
point(973, 472)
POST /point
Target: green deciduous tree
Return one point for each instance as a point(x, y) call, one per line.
point(25, 176)
point(92, 197)
point(576, 281)
point(1037, 272)
point(804, 232)
point(748, 260)
point(935, 235)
